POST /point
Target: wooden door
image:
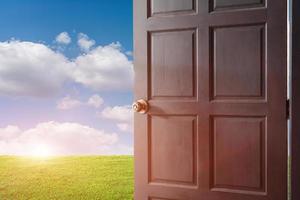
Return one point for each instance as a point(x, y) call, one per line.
point(214, 75)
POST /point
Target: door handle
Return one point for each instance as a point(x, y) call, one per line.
point(140, 106)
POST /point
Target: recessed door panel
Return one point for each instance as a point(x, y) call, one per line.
point(232, 4)
point(173, 65)
point(239, 154)
point(239, 62)
point(171, 6)
point(160, 199)
point(173, 145)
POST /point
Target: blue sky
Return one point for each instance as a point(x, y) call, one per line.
point(34, 20)
point(66, 76)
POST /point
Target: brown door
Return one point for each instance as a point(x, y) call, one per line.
point(214, 75)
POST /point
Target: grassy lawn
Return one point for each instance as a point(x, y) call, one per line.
point(66, 178)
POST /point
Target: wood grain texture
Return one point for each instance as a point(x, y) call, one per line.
point(239, 62)
point(171, 6)
point(173, 64)
point(176, 136)
point(231, 4)
point(251, 93)
point(239, 153)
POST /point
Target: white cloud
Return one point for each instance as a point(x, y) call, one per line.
point(104, 68)
point(84, 42)
point(68, 103)
point(118, 113)
point(33, 69)
point(129, 53)
point(59, 139)
point(95, 101)
point(63, 38)
point(122, 115)
point(9, 132)
point(124, 149)
point(126, 127)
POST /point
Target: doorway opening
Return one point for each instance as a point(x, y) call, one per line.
point(66, 76)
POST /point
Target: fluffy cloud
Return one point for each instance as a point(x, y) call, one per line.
point(129, 53)
point(84, 42)
point(122, 115)
point(9, 133)
point(104, 68)
point(63, 38)
point(95, 101)
point(118, 113)
point(126, 127)
point(58, 139)
point(33, 69)
point(68, 102)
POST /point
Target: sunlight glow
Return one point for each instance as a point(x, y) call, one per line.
point(41, 151)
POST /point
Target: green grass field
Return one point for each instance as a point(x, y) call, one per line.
point(66, 178)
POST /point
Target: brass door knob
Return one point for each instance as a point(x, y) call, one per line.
point(140, 106)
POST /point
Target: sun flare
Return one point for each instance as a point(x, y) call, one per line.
point(41, 151)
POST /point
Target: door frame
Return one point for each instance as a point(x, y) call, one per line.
point(295, 101)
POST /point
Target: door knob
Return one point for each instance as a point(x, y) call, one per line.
point(140, 106)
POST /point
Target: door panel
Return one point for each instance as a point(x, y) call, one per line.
point(160, 199)
point(239, 55)
point(214, 75)
point(176, 136)
point(237, 3)
point(173, 64)
point(171, 6)
point(239, 154)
